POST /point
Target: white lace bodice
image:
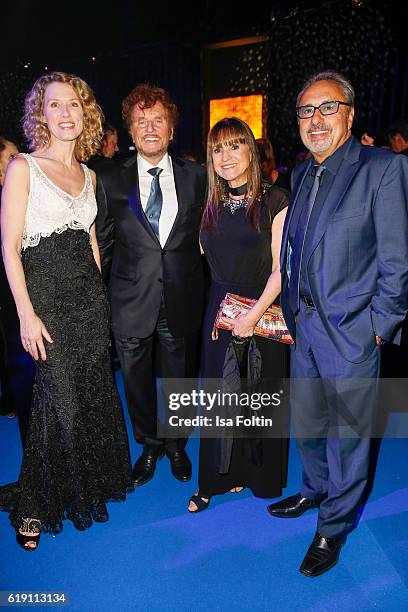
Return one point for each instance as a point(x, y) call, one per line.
point(50, 209)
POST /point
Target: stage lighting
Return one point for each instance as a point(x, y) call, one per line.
point(248, 108)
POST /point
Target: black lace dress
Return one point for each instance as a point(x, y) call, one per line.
point(76, 454)
point(240, 262)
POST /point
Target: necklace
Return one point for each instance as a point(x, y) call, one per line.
point(234, 205)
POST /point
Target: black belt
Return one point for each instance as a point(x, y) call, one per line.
point(308, 301)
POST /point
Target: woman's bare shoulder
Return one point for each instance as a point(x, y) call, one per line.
point(18, 167)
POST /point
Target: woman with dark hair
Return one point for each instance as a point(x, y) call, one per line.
point(240, 237)
point(270, 171)
point(8, 150)
point(76, 455)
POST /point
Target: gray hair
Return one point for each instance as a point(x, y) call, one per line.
point(330, 75)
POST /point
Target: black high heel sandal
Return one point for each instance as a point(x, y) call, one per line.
point(198, 500)
point(33, 528)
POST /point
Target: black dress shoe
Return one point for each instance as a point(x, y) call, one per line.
point(180, 465)
point(323, 553)
point(145, 466)
point(293, 506)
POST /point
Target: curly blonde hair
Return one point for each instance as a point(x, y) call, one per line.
point(37, 132)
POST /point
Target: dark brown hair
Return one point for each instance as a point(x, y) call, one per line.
point(146, 96)
point(4, 142)
point(227, 132)
point(266, 152)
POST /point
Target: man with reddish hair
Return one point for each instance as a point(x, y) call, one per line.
point(150, 209)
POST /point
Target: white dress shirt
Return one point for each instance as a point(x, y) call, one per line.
point(168, 187)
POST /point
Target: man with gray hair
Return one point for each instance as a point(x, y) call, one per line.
point(344, 263)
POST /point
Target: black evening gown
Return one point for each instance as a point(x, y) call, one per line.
point(76, 453)
point(240, 261)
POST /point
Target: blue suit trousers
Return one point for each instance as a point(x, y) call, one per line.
point(333, 404)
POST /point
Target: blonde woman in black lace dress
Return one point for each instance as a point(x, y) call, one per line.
point(76, 456)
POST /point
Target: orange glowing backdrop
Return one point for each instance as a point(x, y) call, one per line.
point(248, 108)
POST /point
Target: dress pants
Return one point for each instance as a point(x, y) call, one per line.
point(333, 404)
point(142, 360)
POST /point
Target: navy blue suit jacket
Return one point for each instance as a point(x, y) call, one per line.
point(357, 259)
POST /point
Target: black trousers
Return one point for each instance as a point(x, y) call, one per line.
point(143, 360)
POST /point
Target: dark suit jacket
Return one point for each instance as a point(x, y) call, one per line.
point(140, 269)
point(357, 261)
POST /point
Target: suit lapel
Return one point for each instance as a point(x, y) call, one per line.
point(130, 179)
point(182, 186)
point(289, 216)
point(338, 190)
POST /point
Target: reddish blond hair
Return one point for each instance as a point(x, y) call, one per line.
point(146, 96)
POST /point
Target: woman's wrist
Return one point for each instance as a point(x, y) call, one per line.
point(253, 317)
point(25, 311)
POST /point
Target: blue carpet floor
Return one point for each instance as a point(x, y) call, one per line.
point(153, 555)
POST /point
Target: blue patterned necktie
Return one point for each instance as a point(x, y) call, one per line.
point(299, 241)
point(155, 201)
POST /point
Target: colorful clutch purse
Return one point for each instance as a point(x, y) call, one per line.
point(271, 325)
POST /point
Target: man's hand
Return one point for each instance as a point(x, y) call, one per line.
point(379, 340)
